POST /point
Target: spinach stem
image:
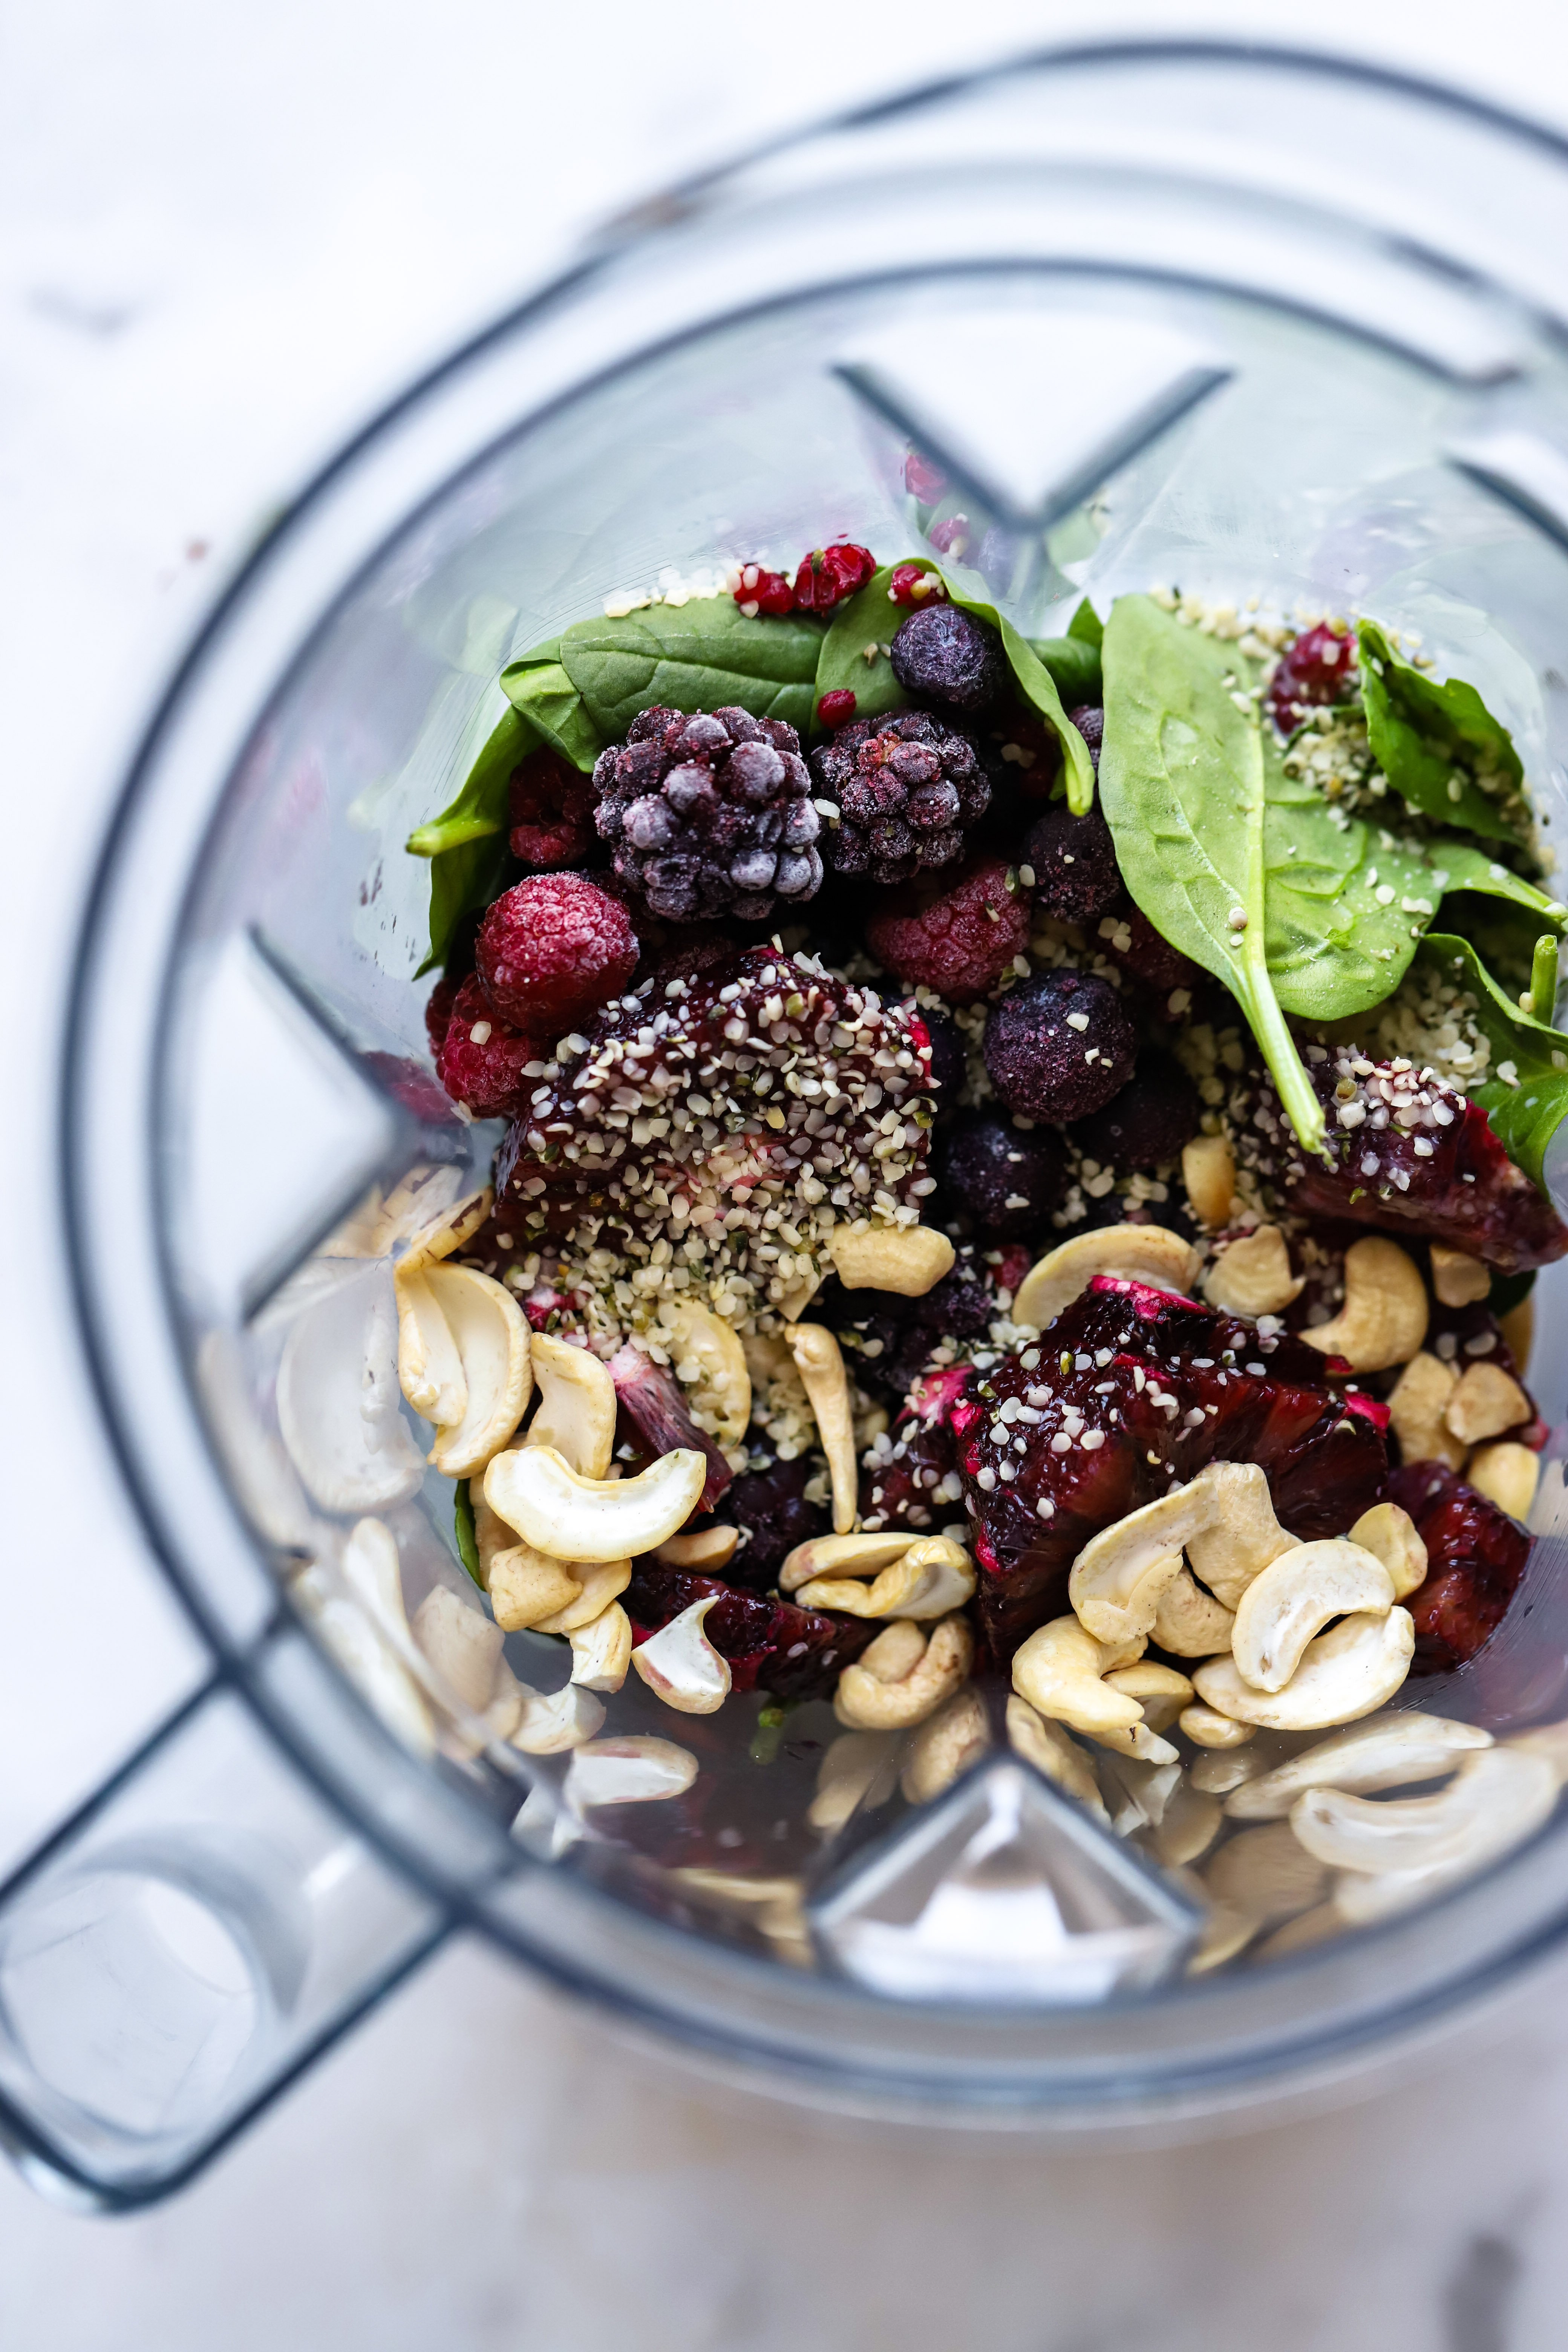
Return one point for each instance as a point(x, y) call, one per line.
point(1268, 1023)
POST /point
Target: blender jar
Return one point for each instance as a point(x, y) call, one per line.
point(1259, 325)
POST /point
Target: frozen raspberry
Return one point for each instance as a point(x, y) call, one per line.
point(764, 592)
point(1320, 668)
point(1475, 1556)
point(1073, 860)
point(960, 942)
point(771, 1645)
point(1089, 720)
point(483, 1058)
point(771, 1506)
point(907, 787)
point(837, 710)
point(552, 949)
point(830, 574)
point(1461, 1189)
point(914, 583)
point(438, 1009)
point(1147, 1125)
point(944, 655)
point(1060, 1046)
point(551, 810)
point(1006, 1180)
point(709, 815)
point(949, 1057)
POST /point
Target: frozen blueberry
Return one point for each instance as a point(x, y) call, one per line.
point(1006, 1179)
point(1089, 720)
point(1147, 1123)
point(946, 656)
point(949, 1060)
point(1073, 860)
point(1060, 1046)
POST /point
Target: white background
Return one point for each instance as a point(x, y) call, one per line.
point(225, 233)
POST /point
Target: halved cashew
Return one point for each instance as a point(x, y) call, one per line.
point(636, 1769)
point(1486, 1402)
point(1045, 1746)
point(903, 1679)
point(821, 1368)
point(526, 1586)
point(1391, 1533)
point(1383, 1320)
point(1120, 1576)
point(445, 1233)
point(1418, 1405)
point(576, 1412)
point(1224, 1932)
point(860, 1555)
point(680, 1666)
point(1188, 1826)
point(337, 1400)
point(1240, 1537)
point(1308, 1928)
point(706, 1357)
point(709, 1549)
point(1458, 1280)
point(1355, 1666)
point(461, 1643)
point(1132, 1252)
point(908, 1259)
point(1499, 1785)
point(1060, 1670)
point(1208, 1729)
point(1137, 1793)
point(946, 1744)
point(429, 1369)
point(490, 1332)
point(848, 1771)
point(1209, 1171)
point(1507, 1475)
point(1252, 1276)
point(1161, 1691)
point(1295, 1598)
point(602, 1585)
point(1548, 1739)
point(1267, 1873)
point(366, 1641)
point(551, 1724)
point(602, 1650)
point(1390, 1751)
point(537, 1491)
point(1220, 1770)
point(1189, 1621)
point(931, 1575)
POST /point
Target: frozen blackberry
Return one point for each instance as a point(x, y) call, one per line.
point(958, 941)
point(1148, 1123)
point(1073, 860)
point(946, 654)
point(907, 787)
point(710, 814)
point(1006, 1180)
point(1060, 1046)
point(949, 1060)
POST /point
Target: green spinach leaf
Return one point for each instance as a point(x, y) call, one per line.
point(861, 628)
point(547, 698)
point(1435, 742)
point(1087, 625)
point(695, 656)
point(1039, 686)
point(1460, 866)
point(463, 1529)
point(1074, 667)
point(1526, 1097)
point(467, 843)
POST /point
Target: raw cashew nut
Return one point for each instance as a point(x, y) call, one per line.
point(576, 1412)
point(1418, 1405)
point(526, 1586)
point(1355, 1666)
point(1161, 1691)
point(1137, 1793)
point(445, 1233)
point(909, 1259)
point(1390, 1751)
point(429, 1369)
point(1498, 1789)
point(946, 1744)
point(1241, 1536)
point(636, 1769)
point(1390, 1532)
point(903, 1679)
point(1458, 1280)
point(848, 1771)
point(1518, 1328)
point(602, 1650)
point(709, 1551)
point(860, 1555)
point(1060, 1670)
point(602, 1585)
point(1188, 1826)
point(706, 1357)
point(489, 1333)
point(826, 1384)
point(370, 1640)
point(1507, 1475)
point(931, 1575)
point(1224, 1933)
point(1486, 1402)
point(1045, 1746)
point(461, 1645)
point(1132, 1252)
point(1121, 1575)
point(1209, 1171)
point(550, 1725)
point(337, 1400)
point(1266, 1873)
point(1383, 1320)
point(537, 1491)
point(1209, 1730)
point(1252, 1276)
point(1189, 1621)
point(680, 1666)
point(1548, 1739)
point(1303, 1591)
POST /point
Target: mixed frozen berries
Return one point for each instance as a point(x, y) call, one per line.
point(957, 940)
point(908, 789)
point(1060, 1046)
point(709, 815)
point(552, 949)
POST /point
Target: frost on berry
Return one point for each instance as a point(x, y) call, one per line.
point(710, 814)
point(771, 1645)
point(1060, 1046)
point(908, 788)
point(552, 949)
point(1475, 1556)
point(1073, 860)
point(958, 939)
point(481, 1058)
point(550, 806)
point(942, 654)
point(1318, 667)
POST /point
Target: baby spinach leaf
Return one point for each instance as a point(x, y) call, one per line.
point(546, 697)
point(1526, 1097)
point(1037, 685)
point(463, 1529)
point(1073, 666)
point(1434, 741)
point(862, 626)
point(461, 881)
point(1459, 865)
point(467, 843)
point(1087, 624)
point(695, 656)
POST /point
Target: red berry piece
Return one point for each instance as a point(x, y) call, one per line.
point(1005, 1180)
point(942, 654)
point(1408, 1155)
point(483, 1058)
point(552, 811)
point(771, 1645)
point(1475, 1556)
point(915, 583)
point(949, 1057)
point(1073, 861)
point(922, 480)
point(829, 575)
point(764, 592)
point(907, 787)
point(837, 709)
point(1149, 1123)
point(959, 943)
point(552, 949)
point(1060, 1046)
point(649, 1398)
point(1320, 668)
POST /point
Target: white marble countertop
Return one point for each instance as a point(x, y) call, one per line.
point(224, 235)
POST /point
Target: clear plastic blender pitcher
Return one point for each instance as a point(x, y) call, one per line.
point(1258, 324)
